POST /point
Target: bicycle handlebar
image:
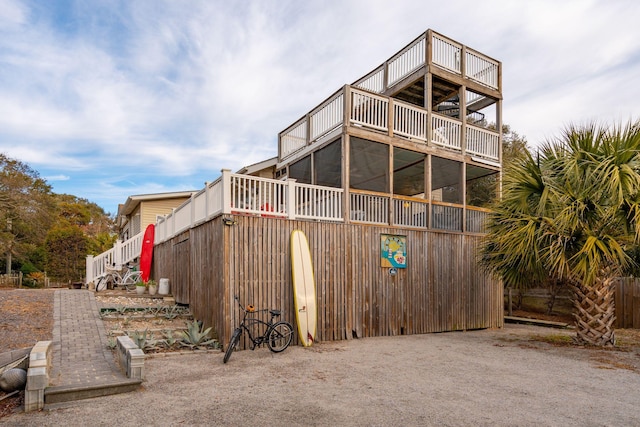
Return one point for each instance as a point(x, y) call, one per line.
point(243, 308)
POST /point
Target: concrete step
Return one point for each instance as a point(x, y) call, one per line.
point(59, 394)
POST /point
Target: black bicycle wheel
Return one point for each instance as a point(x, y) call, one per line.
point(101, 284)
point(280, 337)
point(233, 343)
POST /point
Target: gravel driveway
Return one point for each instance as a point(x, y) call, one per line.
point(488, 377)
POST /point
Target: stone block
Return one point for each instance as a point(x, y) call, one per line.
point(135, 364)
point(33, 400)
point(37, 378)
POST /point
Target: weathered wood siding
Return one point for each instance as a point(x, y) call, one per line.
point(441, 289)
point(627, 300)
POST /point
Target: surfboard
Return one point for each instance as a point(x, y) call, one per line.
point(146, 252)
point(304, 288)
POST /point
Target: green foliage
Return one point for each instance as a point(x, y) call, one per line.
point(571, 212)
point(144, 340)
point(32, 219)
point(112, 343)
point(28, 268)
point(27, 208)
point(169, 339)
point(66, 247)
point(197, 336)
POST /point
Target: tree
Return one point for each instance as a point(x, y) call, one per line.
point(66, 247)
point(25, 209)
point(483, 191)
point(571, 214)
point(81, 228)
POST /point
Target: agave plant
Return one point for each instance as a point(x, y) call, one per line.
point(197, 336)
point(169, 339)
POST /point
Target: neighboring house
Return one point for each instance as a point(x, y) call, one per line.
point(263, 169)
point(144, 209)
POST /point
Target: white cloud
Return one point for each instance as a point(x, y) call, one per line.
point(12, 14)
point(184, 91)
point(57, 178)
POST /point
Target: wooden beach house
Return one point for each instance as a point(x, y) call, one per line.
point(388, 177)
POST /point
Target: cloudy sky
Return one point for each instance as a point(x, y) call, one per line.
point(108, 98)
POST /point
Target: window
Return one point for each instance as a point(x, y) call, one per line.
point(408, 172)
point(301, 170)
point(482, 186)
point(327, 163)
point(446, 180)
point(369, 165)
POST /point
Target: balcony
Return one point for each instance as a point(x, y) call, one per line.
point(269, 198)
point(236, 194)
point(365, 105)
point(389, 116)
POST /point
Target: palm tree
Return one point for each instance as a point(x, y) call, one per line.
point(572, 214)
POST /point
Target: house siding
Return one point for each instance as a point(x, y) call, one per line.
point(442, 288)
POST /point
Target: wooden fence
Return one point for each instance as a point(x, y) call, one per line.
point(441, 289)
point(11, 280)
point(627, 300)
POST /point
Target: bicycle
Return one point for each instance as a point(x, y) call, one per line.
point(113, 276)
point(277, 335)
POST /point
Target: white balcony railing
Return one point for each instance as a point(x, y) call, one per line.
point(116, 257)
point(406, 61)
point(269, 198)
point(314, 202)
point(481, 69)
point(483, 142)
point(327, 116)
point(446, 217)
point(410, 213)
point(372, 111)
point(250, 195)
point(446, 53)
point(369, 110)
point(446, 131)
point(410, 121)
point(372, 209)
point(373, 82)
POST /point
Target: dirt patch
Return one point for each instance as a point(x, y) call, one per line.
point(26, 317)
point(450, 379)
point(458, 378)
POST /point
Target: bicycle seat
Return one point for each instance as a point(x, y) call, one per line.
point(275, 312)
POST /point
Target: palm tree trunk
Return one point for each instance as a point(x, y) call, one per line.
point(594, 313)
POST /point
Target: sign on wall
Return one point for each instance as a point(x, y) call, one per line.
point(393, 251)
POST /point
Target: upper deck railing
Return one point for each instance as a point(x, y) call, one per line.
point(373, 111)
point(445, 54)
point(367, 107)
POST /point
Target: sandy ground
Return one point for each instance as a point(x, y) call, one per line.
point(489, 377)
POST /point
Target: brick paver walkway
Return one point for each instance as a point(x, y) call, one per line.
point(81, 356)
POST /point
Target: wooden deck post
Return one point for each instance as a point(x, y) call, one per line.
point(90, 274)
point(291, 198)
point(226, 191)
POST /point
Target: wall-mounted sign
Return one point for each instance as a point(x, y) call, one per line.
point(393, 251)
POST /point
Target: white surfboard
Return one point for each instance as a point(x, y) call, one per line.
point(304, 288)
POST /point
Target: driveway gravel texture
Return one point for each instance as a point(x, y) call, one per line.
point(515, 376)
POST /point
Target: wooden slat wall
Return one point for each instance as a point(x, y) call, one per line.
point(627, 301)
point(441, 289)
